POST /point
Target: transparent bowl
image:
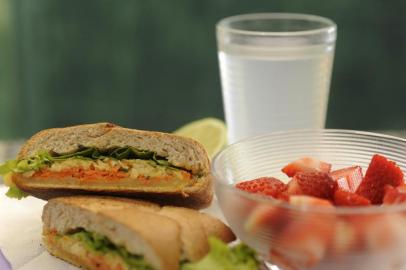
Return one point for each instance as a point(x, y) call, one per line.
point(312, 237)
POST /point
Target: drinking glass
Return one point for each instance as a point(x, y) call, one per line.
point(275, 71)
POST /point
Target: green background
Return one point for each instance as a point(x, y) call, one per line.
point(153, 64)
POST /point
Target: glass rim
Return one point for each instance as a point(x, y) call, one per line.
point(362, 210)
point(224, 24)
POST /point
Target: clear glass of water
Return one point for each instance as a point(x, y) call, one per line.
point(275, 71)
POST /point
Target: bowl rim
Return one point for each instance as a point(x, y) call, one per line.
point(362, 210)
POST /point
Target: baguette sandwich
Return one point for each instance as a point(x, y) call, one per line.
point(123, 234)
point(107, 159)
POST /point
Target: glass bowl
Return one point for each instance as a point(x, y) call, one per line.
point(312, 236)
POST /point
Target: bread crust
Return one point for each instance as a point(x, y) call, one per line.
point(180, 151)
point(140, 232)
point(198, 196)
point(195, 227)
point(59, 252)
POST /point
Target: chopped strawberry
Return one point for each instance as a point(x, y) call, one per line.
point(303, 242)
point(345, 238)
point(342, 184)
point(377, 232)
point(284, 196)
point(303, 200)
point(317, 184)
point(394, 195)
point(306, 164)
point(265, 185)
point(266, 218)
point(282, 261)
point(380, 172)
point(345, 198)
point(348, 179)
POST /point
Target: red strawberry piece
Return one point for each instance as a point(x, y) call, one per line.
point(342, 184)
point(395, 195)
point(282, 261)
point(266, 218)
point(284, 196)
point(303, 200)
point(380, 172)
point(306, 164)
point(265, 185)
point(317, 184)
point(303, 242)
point(345, 198)
point(348, 179)
point(377, 232)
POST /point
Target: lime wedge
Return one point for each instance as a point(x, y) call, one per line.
point(210, 132)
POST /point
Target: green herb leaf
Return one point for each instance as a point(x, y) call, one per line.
point(8, 166)
point(222, 257)
point(31, 164)
point(102, 244)
point(16, 193)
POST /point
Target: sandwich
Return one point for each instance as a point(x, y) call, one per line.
point(107, 159)
point(117, 233)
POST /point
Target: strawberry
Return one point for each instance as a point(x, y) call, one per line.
point(377, 232)
point(306, 164)
point(394, 195)
point(345, 238)
point(380, 172)
point(345, 198)
point(317, 184)
point(342, 184)
point(348, 179)
point(268, 186)
point(302, 243)
point(266, 218)
point(303, 200)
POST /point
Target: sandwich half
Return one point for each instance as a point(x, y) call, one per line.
point(122, 234)
point(107, 159)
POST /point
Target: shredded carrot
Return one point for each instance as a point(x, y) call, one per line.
point(83, 174)
point(113, 174)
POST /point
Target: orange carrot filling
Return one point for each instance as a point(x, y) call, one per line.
point(114, 174)
point(83, 174)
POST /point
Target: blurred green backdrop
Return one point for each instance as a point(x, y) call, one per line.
point(153, 64)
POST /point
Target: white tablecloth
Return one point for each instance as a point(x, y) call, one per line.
point(20, 234)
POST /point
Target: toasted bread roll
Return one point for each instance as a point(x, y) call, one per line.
point(107, 159)
point(93, 232)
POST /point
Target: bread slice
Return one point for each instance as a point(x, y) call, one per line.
point(179, 151)
point(164, 236)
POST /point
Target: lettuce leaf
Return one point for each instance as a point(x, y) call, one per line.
point(222, 257)
point(34, 163)
point(16, 193)
point(102, 244)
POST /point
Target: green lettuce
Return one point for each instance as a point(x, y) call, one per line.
point(30, 164)
point(220, 257)
point(223, 257)
point(100, 243)
point(16, 193)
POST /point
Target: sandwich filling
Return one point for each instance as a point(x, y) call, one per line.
point(124, 166)
point(96, 250)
